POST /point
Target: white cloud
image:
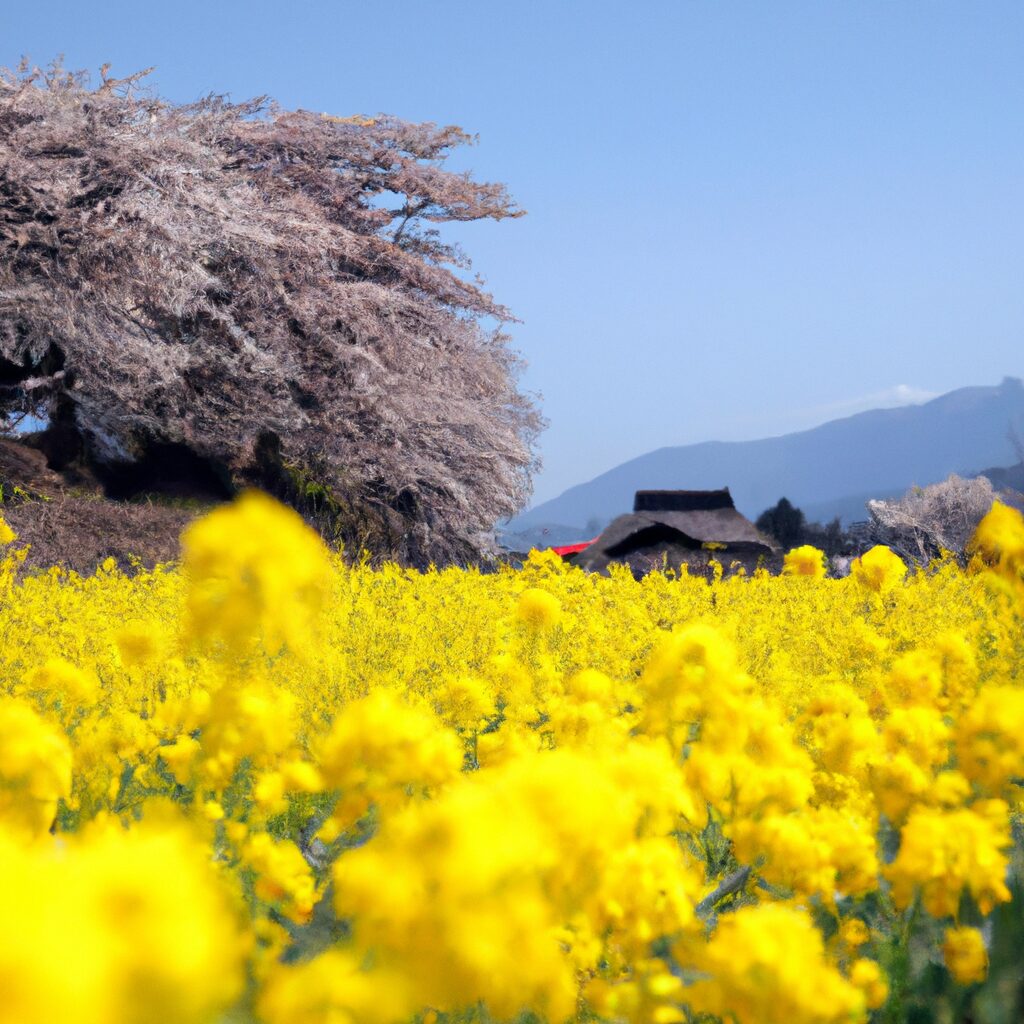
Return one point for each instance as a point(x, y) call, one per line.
point(907, 394)
point(888, 398)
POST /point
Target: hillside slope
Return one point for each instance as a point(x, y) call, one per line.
point(826, 470)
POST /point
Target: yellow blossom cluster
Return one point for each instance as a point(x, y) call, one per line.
point(114, 924)
point(270, 786)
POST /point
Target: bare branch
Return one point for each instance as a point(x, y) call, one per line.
point(927, 521)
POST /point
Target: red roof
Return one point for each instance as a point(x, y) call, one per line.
point(571, 549)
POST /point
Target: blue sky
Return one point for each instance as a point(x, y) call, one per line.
point(744, 218)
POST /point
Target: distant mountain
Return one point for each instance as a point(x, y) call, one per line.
point(1010, 478)
point(828, 471)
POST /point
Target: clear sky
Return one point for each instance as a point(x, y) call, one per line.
point(744, 217)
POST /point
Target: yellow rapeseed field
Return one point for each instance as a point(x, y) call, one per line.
point(269, 786)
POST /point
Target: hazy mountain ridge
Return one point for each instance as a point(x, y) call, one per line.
point(828, 470)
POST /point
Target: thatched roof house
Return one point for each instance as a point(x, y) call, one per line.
point(672, 528)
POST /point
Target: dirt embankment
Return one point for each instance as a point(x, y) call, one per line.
point(67, 519)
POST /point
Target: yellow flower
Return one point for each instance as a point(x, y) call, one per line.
point(180, 756)
point(965, 955)
point(868, 977)
point(301, 777)
point(897, 783)
point(806, 560)
point(538, 609)
point(916, 678)
point(500, 887)
point(854, 933)
point(254, 567)
point(999, 539)
point(7, 535)
point(137, 643)
point(647, 890)
point(283, 876)
point(115, 925)
point(35, 769)
point(844, 737)
point(333, 987)
point(382, 744)
point(942, 852)
point(268, 792)
point(918, 732)
point(950, 789)
point(766, 965)
point(819, 850)
point(879, 569)
point(464, 702)
point(990, 738)
point(213, 811)
point(60, 679)
point(236, 831)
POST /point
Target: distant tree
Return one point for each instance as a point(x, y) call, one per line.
point(784, 522)
point(929, 520)
point(830, 537)
point(268, 290)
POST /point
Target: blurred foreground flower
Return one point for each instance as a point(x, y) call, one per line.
point(254, 566)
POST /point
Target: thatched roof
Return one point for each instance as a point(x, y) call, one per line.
point(677, 527)
point(682, 501)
